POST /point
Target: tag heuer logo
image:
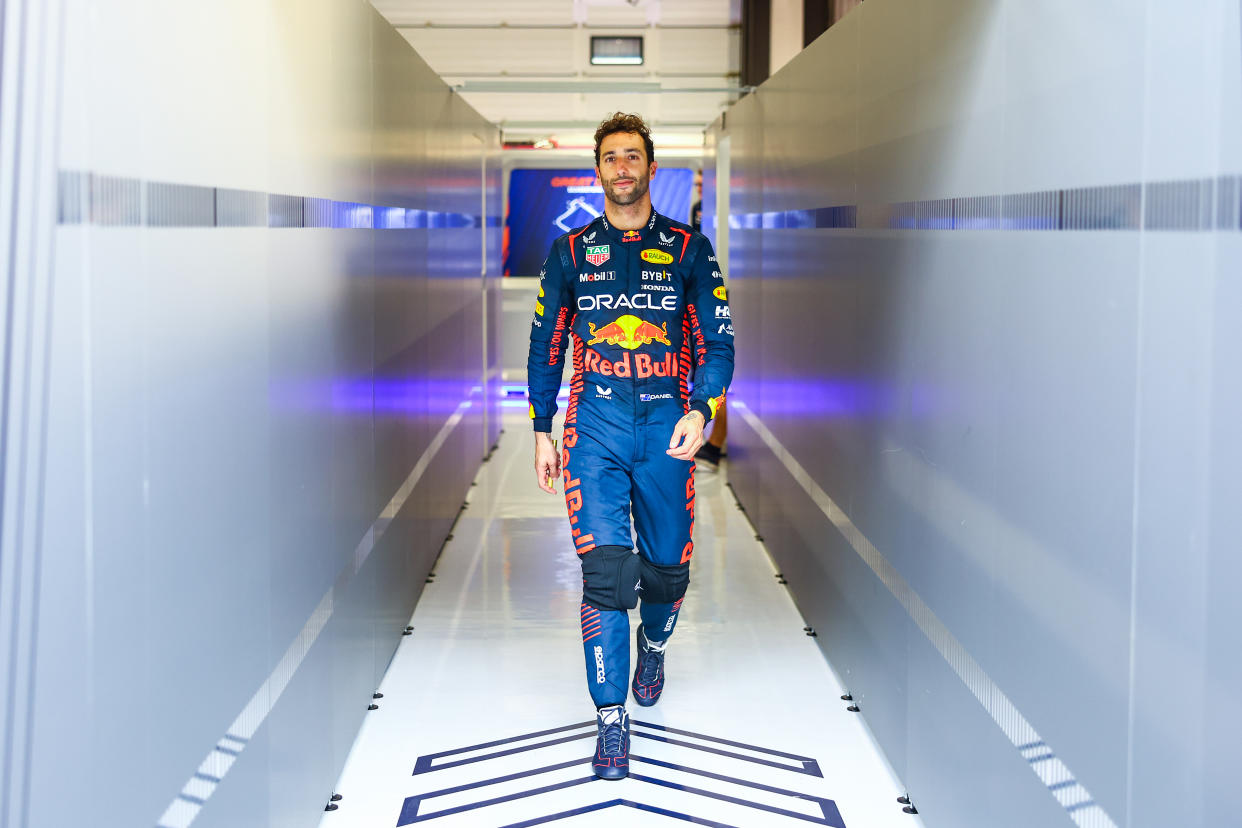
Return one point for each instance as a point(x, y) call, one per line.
point(598, 254)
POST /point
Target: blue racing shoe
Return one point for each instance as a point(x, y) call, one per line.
point(649, 674)
point(612, 744)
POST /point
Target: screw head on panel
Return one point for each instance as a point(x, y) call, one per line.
point(848, 697)
point(372, 707)
point(853, 708)
point(902, 800)
point(910, 809)
point(331, 807)
point(377, 695)
point(337, 797)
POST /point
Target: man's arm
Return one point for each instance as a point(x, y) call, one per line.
point(549, 336)
point(711, 338)
point(711, 329)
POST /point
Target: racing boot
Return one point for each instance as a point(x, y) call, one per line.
point(649, 674)
point(612, 743)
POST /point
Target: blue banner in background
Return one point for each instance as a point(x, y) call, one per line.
point(544, 204)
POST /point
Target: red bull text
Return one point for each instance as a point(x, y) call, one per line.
point(640, 367)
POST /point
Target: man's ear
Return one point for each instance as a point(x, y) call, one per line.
point(651, 170)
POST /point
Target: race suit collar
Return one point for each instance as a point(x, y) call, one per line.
point(620, 235)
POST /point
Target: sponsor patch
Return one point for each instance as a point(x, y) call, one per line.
point(725, 329)
point(650, 397)
point(598, 254)
point(629, 332)
point(656, 256)
point(538, 307)
point(641, 366)
point(720, 293)
point(606, 393)
point(665, 288)
point(666, 240)
point(631, 236)
point(711, 258)
point(633, 301)
point(601, 276)
point(716, 274)
point(657, 276)
point(590, 238)
point(722, 312)
point(600, 678)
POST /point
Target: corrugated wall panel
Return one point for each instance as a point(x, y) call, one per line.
point(979, 301)
point(268, 380)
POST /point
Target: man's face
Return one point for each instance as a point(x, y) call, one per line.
point(623, 170)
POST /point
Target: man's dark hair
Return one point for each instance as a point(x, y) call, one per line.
point(624, 122)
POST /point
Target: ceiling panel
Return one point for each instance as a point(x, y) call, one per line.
point(476, 12)
point(697, 52)
point(483, 52)
point(508, 50)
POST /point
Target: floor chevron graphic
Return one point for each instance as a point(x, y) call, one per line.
point(485, 794)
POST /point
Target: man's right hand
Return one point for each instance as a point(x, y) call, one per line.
point(547, 462)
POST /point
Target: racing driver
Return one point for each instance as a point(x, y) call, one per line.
point(643, 301)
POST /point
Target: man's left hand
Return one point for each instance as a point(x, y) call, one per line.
point(687, 436)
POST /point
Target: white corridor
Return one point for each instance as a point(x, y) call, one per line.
point(485, 718)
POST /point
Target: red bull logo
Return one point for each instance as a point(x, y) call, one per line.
point(641, 366)
point(629, 332)
point(631, 236)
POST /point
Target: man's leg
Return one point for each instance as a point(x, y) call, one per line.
point(597, 496)
point(664, 521)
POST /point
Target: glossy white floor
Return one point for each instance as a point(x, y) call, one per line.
point(486, 721)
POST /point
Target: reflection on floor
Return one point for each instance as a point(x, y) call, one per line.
point(486, 721)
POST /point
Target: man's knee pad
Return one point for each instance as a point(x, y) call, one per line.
point(665, 584)
point(611, 576)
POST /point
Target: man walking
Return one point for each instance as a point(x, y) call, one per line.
point(643, 300)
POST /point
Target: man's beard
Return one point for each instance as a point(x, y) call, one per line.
point(625, 199)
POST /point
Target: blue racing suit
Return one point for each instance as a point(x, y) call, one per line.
point(647, 313)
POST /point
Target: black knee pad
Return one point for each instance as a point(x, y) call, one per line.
point(665, 584)
point(611, 576)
